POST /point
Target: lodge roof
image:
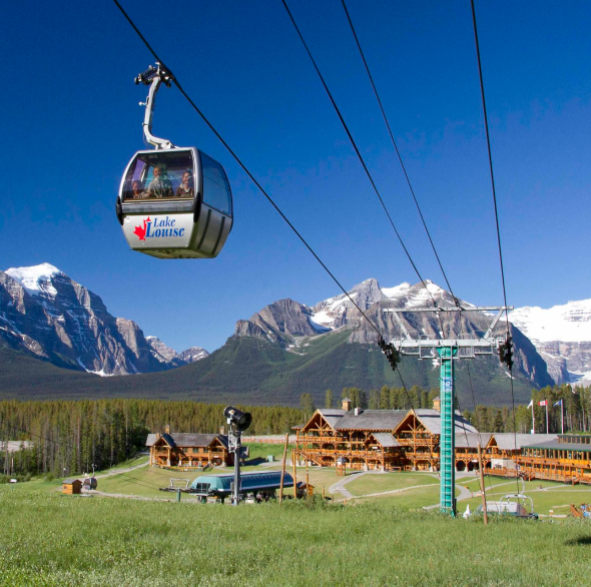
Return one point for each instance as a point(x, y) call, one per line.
point(389, 420)
point(385, 439)
point(472, 439)
point(332, 415)
point(431, 420)
point(183, 440)
point(508, 440)
point(555, 444)
point(379, 420)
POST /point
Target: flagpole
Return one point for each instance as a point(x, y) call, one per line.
point(562, 413)
point(547, 431)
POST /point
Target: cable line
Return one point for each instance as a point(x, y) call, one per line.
point(267, 196)
point(355, 147)
point(494, 193)
point(247, 171)
point(395, 145)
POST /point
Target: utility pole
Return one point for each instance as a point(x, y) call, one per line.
point(238, 422)
point(449, 351)
point(481, 473)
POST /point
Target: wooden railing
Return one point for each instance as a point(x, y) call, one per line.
point(417, 442)
point(365, 454)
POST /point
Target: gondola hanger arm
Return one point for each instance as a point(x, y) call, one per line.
point(154, 76)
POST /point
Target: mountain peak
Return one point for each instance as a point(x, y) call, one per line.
point(35, 279)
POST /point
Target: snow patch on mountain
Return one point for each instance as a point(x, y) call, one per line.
point(570, 322)
point(193, 354)
point(36, 279)
point(562, 336)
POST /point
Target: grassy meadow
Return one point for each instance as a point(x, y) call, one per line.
point(50, 539)
point(53, 540)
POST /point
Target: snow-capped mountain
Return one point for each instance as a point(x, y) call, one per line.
point(166, 354)
point(287, 322)
point(48, 314)
point(193, 354)
point(562, 335)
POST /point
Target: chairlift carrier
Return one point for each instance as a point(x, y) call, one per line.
point(174, 202)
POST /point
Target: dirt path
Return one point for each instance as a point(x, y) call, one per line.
point(119, 471)
point(340, 485)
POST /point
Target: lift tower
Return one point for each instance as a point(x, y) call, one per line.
point(449, 351)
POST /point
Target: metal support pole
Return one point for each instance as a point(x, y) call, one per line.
point(447, 502)
point(283, 468)
point(481, 473)
point(237, 452)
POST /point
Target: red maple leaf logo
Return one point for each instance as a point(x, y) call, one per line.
point(141, 231)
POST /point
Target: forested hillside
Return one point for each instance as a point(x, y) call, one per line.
point(71, 436)
point(254, 371)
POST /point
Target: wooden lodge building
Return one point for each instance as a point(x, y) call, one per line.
point(566, 458)
point(387, 440)
point(408, 440)
point(189, 450)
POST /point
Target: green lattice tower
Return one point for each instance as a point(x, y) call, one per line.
point(447, 438)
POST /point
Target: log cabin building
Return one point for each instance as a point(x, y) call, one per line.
point(565, 458)
point(386, 440)
point(391, 440)
point(189, 450)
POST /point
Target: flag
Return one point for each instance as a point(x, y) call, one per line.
point(544, 402)
point(558, 403)
point(530, 405)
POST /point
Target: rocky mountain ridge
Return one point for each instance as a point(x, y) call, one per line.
point(49, 315)
point(288, 323)
point(562, 336)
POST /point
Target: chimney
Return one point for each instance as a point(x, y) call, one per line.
point(222, 430)
point(158, 435)
point(437, 404)
point(347, 404)
point(167, 429)
point(357, 411)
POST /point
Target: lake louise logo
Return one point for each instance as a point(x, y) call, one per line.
point(158, 228)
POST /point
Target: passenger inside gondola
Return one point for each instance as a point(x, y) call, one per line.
point(160, 176)
point(138, 190)
point(160, 186)
point(185, 189)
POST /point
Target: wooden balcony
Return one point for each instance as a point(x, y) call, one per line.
point(418, 442)
point(361, 454)
point(321, 439)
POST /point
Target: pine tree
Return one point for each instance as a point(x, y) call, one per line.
point(307, 405)
point(328, 399)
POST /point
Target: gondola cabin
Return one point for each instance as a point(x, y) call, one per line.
point(175, 204)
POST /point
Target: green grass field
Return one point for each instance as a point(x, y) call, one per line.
point(389, 482)
point(52, 540)
point(49, 539)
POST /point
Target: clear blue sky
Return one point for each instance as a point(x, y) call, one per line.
point(71, 122)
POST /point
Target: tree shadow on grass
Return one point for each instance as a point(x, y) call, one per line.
point(580, 541)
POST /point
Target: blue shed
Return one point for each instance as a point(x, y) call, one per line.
point(221, 485)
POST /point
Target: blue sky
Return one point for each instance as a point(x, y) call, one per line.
point(71, 122)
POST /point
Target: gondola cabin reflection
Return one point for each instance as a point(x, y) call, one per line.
point(175, 204)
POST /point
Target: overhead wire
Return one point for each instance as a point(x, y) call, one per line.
point(247, 171)
point(419, 210)
point(496, 209)
point(412, 192)
point(260, 187)
point(356, 149)
point(395, 145)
